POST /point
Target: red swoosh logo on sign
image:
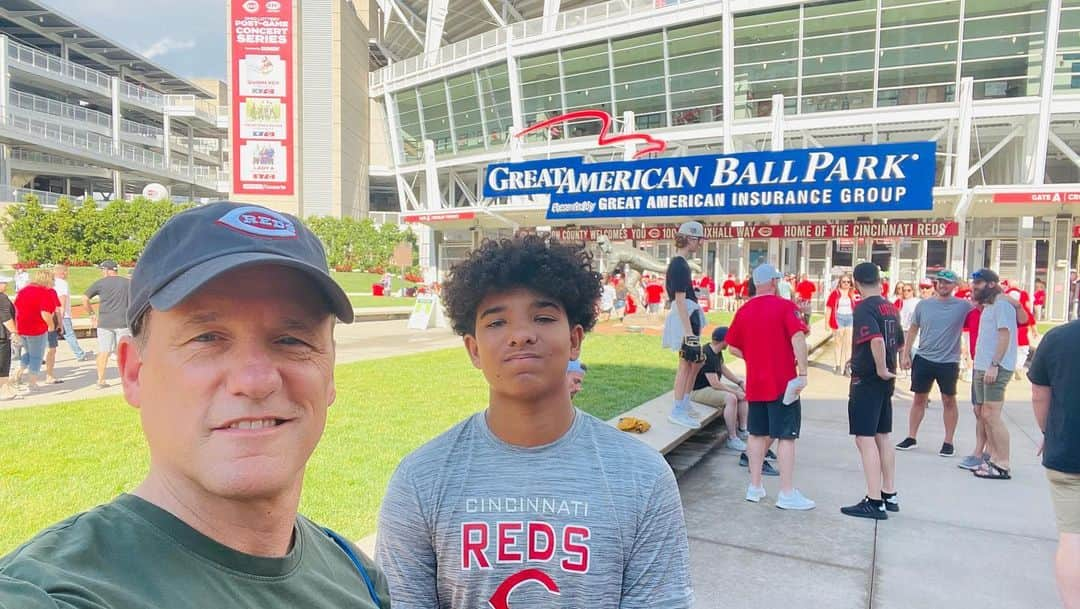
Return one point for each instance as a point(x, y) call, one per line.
point(653, 144)
point(501, 598)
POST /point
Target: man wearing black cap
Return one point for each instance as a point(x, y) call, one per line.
point(709, 390)
point(876, 338)
point(231, 367)
point(111, 317)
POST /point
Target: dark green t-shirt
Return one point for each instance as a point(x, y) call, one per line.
point(131, 554)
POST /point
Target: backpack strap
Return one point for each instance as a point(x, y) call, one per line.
point(344, 545)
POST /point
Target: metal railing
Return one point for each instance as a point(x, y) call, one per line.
point(14, 194)
point(141, 94)
point(25, 56)
point(205, 109)
point(385, 217)
point(44, 105)
point(89, 142)
point(589, 16)
point(35, 156)
point(141, 130)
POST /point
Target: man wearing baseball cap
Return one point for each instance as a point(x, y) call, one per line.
point(113, 292)
point(231, 368)
point(768, 332)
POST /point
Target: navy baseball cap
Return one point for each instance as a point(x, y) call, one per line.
point(719, 334)
point(866, 273)
point(108, 265)
point(201, 243)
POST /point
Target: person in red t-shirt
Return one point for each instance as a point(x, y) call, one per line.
point(1040, 298)
point(804, 294)
point(654, 296)
point(742, 292)
point(34, 308)
point(1024, 332)
point(730, 290)
point(768, 332)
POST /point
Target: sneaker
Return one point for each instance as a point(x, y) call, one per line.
point(743, 434)
point(794, 501)
point(863, 509)
point(735, 444)
point(907, 444)
point(744, 460)
point(892, 504)
point(679, 416)
point(87, 356)
point(770, 455)
point(755, 493)
point(768, 470)
point(970, 462)
point(947, 450)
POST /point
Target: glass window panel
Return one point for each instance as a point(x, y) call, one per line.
point(1067, 69)
point(838, 82)
point(766, 52)
point(834, 64)
point(1006, 58)
point(700, 106)
point(913, 56)
point(830, 45)
point(925, 34)
point(705, 27)
point(839, 8)
point(436, 117)
point(412, 136)
point(586, 81)
point(644, 48)
point(1004, 26)
point(640, 72)
point(468, 124)
point(696, 97)
point(540, 87)
point(944, 73)
point(585, 59)
point(696, 44)
point(786, 23)
point(495, 102)
point(700, 80)
point(540, 67)
point(643, 88)
point(855, 22)
point(922, 12)
point(695, 63)
point(587, 98)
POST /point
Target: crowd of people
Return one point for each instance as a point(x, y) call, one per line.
point(40, 315)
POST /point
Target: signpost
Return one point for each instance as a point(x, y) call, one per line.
point(427, 313)
point(847, 179)
point(262, 101)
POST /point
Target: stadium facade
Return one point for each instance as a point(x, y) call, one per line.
point(83, 116)
point(995, 83)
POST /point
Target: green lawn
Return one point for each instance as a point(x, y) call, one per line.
point(61, 459)
point(381, 301)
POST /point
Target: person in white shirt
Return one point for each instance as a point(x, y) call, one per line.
point(60, 284)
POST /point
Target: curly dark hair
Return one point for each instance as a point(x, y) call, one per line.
point(544, 265)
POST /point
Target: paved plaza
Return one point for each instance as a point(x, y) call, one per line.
point(958, 541)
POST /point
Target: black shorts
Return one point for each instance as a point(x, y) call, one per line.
point(5, 357)
point(775, 419)
point(870, 406)
point(925, 372)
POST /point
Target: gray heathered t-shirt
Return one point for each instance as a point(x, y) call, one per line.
point(1000, 315)
point(941, 326)
point(115, 294)
point(590, 521)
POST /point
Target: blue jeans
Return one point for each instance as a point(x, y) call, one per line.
point(33, 352)
point(69, 336)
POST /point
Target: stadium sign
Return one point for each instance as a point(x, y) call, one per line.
point(848, 179)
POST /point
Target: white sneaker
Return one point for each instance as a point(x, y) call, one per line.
point(679, 416)
point(794, 501)
point(743, 434)
point(735, 444)
point(755, 493)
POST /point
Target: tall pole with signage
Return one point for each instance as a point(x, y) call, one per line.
point(262, 100)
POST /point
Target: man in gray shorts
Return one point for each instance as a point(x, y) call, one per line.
point(995, 361)
point(113, 292)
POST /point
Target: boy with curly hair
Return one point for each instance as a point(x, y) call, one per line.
point(531, 503)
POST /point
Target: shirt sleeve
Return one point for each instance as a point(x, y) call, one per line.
point(866, 326)
point(18, 594)
point(404, 548)
point(793, 322)
point(734, 333)
point(657, 568)
point(834, 298)
point(1039, 373)
point(93, 290)
point(1004, 315)
point(679, 276)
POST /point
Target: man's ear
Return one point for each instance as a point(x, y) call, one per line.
point(577, 336)
point(129, 360)
point(472, 346)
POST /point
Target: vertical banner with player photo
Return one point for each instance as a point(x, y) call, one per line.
point(262, 96)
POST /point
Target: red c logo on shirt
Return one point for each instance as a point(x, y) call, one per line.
point(501, 598)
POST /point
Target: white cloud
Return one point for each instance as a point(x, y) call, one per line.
point(165, 45)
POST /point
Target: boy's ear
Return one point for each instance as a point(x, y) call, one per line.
point(472, 346)
point(577, 336)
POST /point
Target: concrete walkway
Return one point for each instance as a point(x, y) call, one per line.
point(958, 541)
point(355, 342)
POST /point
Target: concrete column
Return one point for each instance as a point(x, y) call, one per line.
point(727, 42)
point(5, 80)
point(118, 186)
point(166, 129)
point(67, 186)
point(964, 98)
point(191, 150)
point(64, 51)
point(516, 116)
point(432, 194)
point(1046, 91)
point(629, 147)
point(1057, 280)
point(116, 115)
point(5, 165)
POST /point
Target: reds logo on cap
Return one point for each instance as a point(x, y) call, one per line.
point(258, 222)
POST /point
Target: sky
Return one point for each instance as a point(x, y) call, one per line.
point(186, 37)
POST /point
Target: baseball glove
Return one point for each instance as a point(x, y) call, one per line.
point(691, 350)
point(633, 424)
